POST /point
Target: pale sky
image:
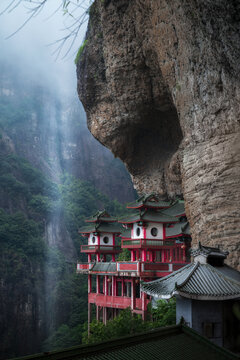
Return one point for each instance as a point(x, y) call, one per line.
point(28, 49)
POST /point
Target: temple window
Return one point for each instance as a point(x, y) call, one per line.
point(154, 231)
point(106, 239)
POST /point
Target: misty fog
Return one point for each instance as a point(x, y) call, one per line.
point(29, 51)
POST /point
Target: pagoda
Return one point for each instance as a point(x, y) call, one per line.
point(157, 235)
point(207, 295)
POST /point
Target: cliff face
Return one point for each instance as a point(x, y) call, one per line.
point(159, 81)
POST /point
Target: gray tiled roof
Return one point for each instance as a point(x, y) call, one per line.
point(101, 228)
point(176, 209)
point(148, 215)
point(196, 281)
point(178, 229)
point(151, 200)
point(168, 343)
point(107, 267)
point(101, 216)
point(209, 251)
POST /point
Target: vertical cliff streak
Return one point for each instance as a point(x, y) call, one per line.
point(159, 81)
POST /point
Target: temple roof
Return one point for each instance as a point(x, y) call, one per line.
point(176, 342)
point(177, 209)
point(101, 216)
point(195, 281)
point(208, 251)
point(149, 201)
point(101, 228)
point(148, 215)
point(178, 229)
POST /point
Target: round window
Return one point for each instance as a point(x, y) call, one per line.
point(93, 239)
point(138, 231)
point(154, 231)
point(106, 239)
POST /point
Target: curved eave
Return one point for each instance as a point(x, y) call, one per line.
point(206, 297)
point(148, 221)
point(191, 296)
point(148, 207)
point(179, 215)
point(101, 221)
point(99, 232)
point(178, 235)
point(158, 296)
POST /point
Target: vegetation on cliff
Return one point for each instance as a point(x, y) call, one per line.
point(33, 273)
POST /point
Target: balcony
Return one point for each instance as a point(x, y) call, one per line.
point(130, 269)
point(103, 249)
point(118, 302)
point(147, 244)
point(83, 268)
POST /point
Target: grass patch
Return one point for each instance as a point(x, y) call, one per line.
point(80, 50)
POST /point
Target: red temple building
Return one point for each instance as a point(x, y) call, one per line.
point(158, 237)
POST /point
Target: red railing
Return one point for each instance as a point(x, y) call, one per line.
point(110, 249)
point(137, 268)
point(120, 302)
point(147, 243)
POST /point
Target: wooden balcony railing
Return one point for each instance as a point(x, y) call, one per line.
point(133, 268)
point(147, 244)
point(94, 249)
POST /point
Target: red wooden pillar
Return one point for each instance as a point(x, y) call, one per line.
point(113, 258)
point(144, 255)
point(122, 287)
point(105, 285)
point(98, 284)
point(114, 288)
point(89, 258)
point(89, 316)
point(97, 313)
point(113, 239)
point(171, 255)
point(133, 255)
point(144, 305)
point(104, 315)
point(138, 255)
point(89, 284)
point(104, 258)
point(150, 256)
point(98, 246)
point(184, 253)
point(133, 294)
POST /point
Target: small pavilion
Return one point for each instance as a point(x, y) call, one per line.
point(207, 295)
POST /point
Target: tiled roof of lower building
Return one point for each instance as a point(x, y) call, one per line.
point(195, 281)
point(101, 228)
point(108, 267)
point(170, 343)
point(178, 229)
point(176, 209)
